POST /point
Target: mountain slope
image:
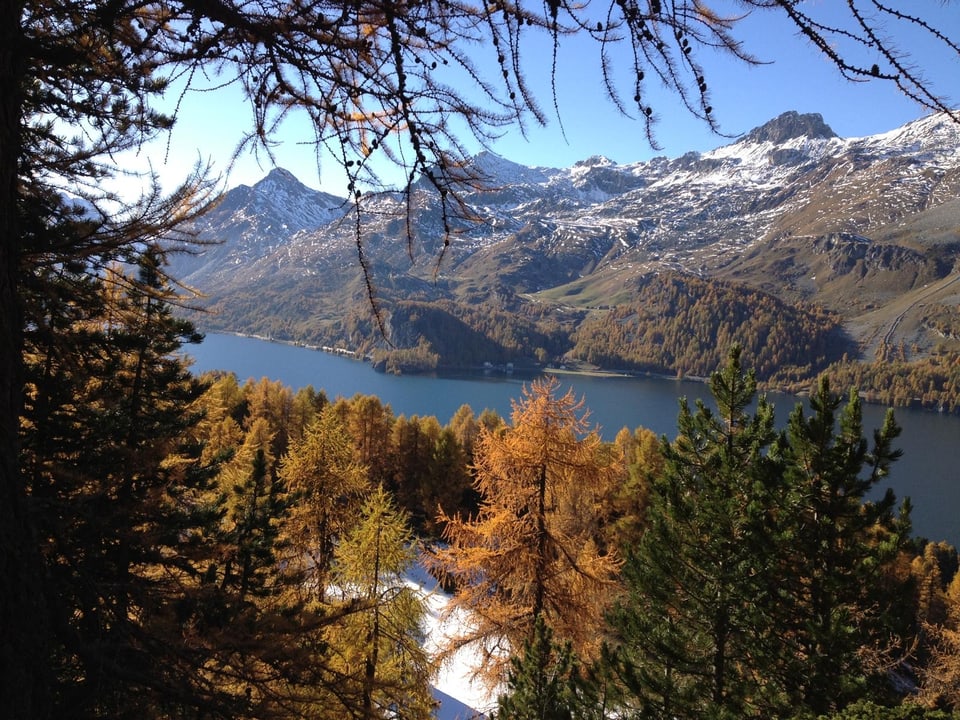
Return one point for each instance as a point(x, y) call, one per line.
point(252, 223)
point(857, 225)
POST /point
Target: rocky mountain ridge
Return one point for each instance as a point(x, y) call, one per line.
point(852, 224)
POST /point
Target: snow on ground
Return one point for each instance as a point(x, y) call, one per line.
point(459, 696)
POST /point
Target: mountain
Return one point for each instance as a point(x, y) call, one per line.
point(251, 223)
point(865, 228)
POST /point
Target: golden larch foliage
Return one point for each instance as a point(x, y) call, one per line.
point(534, 550)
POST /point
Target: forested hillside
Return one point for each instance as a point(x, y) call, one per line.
point(676, 324)
point(467, 336)
point(682, 325)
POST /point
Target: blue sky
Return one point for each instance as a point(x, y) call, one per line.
point(797, 78)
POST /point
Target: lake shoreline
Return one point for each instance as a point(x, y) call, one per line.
point(574, 369)
point(580, 369)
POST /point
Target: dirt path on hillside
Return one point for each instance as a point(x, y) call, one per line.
point(877, 327)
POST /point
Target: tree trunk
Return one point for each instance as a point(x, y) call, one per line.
point(721, 623)
point(373, 652)
point(25, 687)
point(541, 560)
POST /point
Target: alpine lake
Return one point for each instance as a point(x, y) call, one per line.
point(928, 472)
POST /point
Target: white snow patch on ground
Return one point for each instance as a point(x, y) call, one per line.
point(458, 695)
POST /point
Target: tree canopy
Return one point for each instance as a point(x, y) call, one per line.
point(728, 610)
point(534, 549)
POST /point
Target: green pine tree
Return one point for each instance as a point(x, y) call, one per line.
point(254, 505)
point(694, 632)
point(542, 681)
point(112, 468)
point(835, 616)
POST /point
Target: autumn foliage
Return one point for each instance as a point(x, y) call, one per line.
point(535, 549)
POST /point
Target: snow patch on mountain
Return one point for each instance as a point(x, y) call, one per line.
point(791, 175)
point(501, 172)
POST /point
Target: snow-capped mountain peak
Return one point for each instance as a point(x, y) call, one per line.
point(250, 223)
point(499, 171)
point(279, 180)
point(784, 142)
point(937, 133)
point(302, 207)
point(546, 227)
point(595, 161)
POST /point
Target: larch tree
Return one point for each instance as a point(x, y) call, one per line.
point(413, 441)
point(643, 459)
point(327, 486)
point(449, 486)
point(408, 84)
point(219, 430)
point(370, 423)
point(430, 471)
point(307, 405)
point(940, 673)
point(379, 646)
point(534, 550)
point(465, 427)
point(930, 593)
point(271, 401)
